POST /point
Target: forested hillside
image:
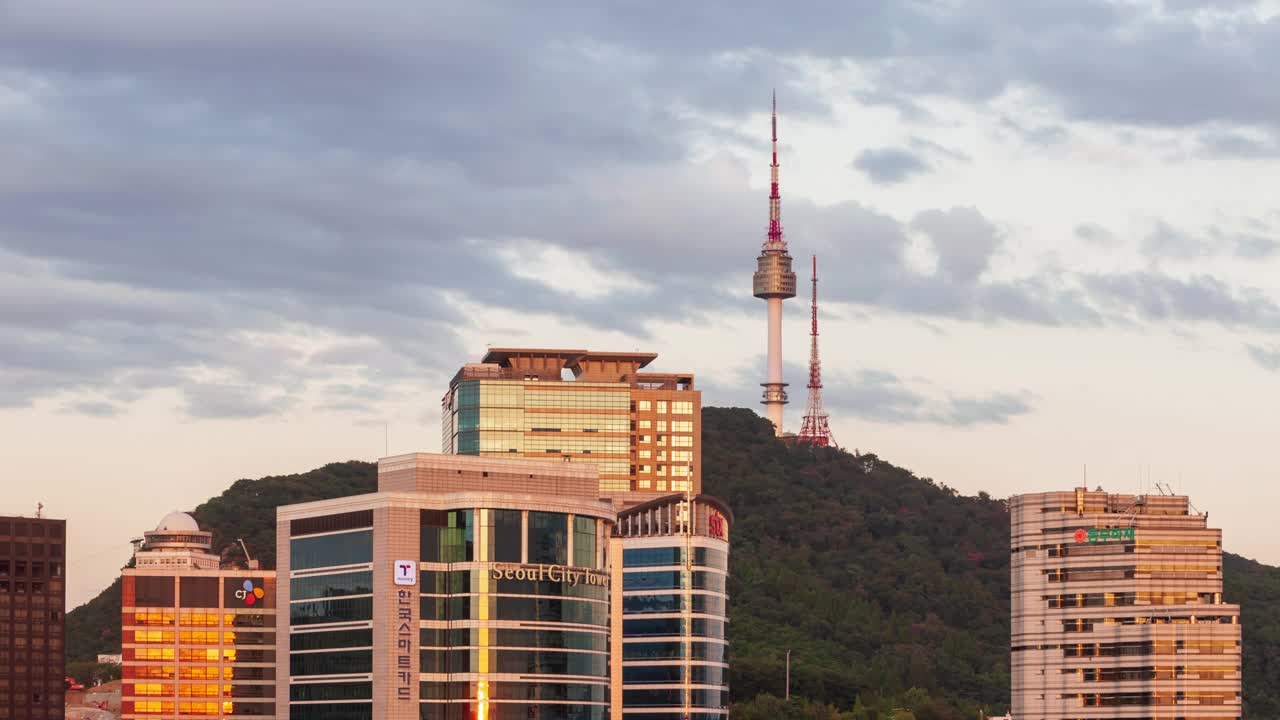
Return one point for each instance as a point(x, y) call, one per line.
point(892, 591)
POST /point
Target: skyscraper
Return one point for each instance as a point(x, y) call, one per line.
point(32, 602)
point(1117, 610)
point(643, 431)
point(774, 282)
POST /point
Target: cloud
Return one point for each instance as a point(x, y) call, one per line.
point(877, 395)
point(1267, 356)
point(209, 199)
point(889, 166)
point(1095, 234)
point(963, 239)
point(222, 401)
point(93, 409)
point(881, 396)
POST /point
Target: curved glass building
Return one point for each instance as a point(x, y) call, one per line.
point(464, 589)
point(674, 609)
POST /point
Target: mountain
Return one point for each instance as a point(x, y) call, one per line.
point(891, 590)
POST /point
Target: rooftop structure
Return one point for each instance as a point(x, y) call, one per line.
point(774, 282)
point(177, 542)
point(641, 430)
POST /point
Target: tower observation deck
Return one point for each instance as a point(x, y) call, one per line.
point(774, 282)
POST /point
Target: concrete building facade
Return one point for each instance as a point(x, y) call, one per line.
point(32, 617)
point(1117, 610)
point(197, 640)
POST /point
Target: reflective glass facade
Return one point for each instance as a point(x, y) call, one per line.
point(641, 430)
point(451, 604)
point(198, 643)
point(674, 652)
point(330, 577)
point(509, 628)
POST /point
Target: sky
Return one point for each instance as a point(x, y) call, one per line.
point(242, 239)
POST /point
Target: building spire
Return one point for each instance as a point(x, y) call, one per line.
point(814, 430)
point(775, 199)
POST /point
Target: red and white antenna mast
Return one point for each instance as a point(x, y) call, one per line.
point(815, 430)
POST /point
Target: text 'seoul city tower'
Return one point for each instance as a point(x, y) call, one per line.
point(774, 282)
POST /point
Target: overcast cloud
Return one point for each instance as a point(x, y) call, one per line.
point(238, 202)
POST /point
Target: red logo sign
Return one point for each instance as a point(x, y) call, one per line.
point(715, 525)
point(1081, 535)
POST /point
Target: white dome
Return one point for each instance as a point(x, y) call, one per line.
point(178, 521)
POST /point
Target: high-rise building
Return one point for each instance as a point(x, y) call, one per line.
point(1117, 610)
point(673, 663)
point(465, 588)
point(643, 431)
point(32, 604)
point(198, 640)
point(774, 282)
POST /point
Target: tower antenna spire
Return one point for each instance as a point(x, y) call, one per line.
point(774, 282)
point(815, 430)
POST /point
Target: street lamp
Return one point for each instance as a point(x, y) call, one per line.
point(788, 691)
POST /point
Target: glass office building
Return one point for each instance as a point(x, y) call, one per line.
point(641, 430)
point(198, 640)
point(464, 589)
point(674, 647)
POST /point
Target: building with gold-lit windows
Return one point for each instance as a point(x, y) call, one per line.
point(198, 639)
point(1117, 610)
point(641, 430)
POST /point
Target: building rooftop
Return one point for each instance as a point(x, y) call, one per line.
point(548, 365)
point(178, 522)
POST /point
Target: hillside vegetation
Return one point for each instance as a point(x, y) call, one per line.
point(891, 591)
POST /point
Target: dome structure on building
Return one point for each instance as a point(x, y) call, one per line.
point(178, 522)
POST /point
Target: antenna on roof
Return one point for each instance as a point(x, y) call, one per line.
point(39, 509)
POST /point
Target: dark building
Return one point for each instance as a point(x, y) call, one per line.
point(32, 604)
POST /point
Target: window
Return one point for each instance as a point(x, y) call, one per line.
point(506, 535)
point(662, 426)
point(584, 542)
point(326, 586)
point(662, 406)
point(645, 406)
point(548, 538)
point(646, 424)
point(346, 548)
point(646, 454)
point(681, 407)
point(682, 441)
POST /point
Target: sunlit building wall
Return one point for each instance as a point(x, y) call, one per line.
point(466, 588)
point(1117, 610)
point(198, 640)
point(641, 430)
